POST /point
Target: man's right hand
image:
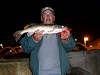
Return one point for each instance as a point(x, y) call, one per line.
point(38, 35)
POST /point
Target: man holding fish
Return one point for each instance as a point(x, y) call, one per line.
point(48, 49)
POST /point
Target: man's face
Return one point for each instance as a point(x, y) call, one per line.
point(48, 17)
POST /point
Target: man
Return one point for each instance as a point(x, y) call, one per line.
point(48, 52)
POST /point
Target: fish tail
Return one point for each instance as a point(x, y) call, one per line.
point(17, 35)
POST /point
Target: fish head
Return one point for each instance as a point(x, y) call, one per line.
point(64, 30)
point(61, 27)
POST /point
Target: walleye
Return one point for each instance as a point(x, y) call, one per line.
point(48, 29)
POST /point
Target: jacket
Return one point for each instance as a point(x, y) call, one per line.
point(31, 47)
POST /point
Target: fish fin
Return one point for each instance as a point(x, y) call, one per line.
point(17, 35)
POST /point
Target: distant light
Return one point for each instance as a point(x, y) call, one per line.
point(1, 45)
point(91, 46)
point(10, 50)
point(85, 38)
point(20, 46)
point(75, 39)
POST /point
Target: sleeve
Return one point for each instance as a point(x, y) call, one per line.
point(28, 44)
point(69, 44)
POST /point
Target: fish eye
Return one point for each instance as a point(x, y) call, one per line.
point(62, 26)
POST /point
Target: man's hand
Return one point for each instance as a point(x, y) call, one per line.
point(38, 35)
point(65, 35)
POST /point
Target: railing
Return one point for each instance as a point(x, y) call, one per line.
point(87, 61)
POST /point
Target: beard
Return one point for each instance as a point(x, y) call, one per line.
point(48, 20)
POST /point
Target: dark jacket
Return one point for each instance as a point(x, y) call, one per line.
point(31, 47)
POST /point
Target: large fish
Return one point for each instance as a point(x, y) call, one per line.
point(48, 29)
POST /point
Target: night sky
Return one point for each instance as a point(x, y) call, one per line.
point(82, 16)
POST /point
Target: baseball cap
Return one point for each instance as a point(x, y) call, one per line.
point(47, 8)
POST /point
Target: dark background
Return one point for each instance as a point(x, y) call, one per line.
point(81, 15)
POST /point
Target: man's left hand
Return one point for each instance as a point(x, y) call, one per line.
point(65, 35)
